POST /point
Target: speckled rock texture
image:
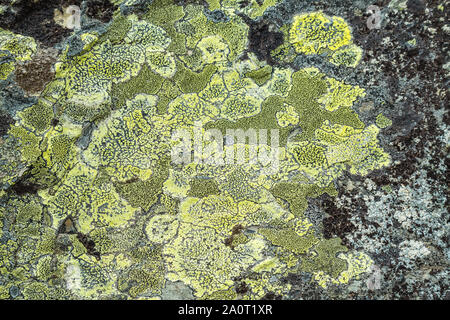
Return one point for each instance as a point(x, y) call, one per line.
point(224, 149)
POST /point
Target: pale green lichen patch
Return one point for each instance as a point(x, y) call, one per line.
point(20, 47)
point(382, 121)
point(315, 33)
point(6, 68)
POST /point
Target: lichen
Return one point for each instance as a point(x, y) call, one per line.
point(20, 47)
point(315, 33)
point(6, 68)
point(108, 214)
point(382, 121)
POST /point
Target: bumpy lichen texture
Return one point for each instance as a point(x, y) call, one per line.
point(110, 215)
point(315, 33)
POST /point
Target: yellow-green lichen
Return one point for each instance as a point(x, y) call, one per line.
point(290, 240)
point(340, 95)
point(261, 75)
point(202, 188)
point(6, 68)
point(92, 204)
point(38, 117)
point(143, 194)
point(198, 257)
point(20, 47)
point(147, 278)
point(319, 34)
point(29, 143)
point(324, 258)
point(315, 33)
point(287, 117)
point(382, 121)
point(139, 126)
point(348, 56)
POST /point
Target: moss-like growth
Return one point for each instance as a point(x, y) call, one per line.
point(260, 76)
point(290, 240)
point(326, 259)
point(117, 30)
point(297, 194)
point(193, 82)
point(202, 188)
point(146, 82)
point(165, 13)
point(143, 194)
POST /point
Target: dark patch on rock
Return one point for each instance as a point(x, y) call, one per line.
point(241, 288)
point(228, 241)
point(5, 122)
point(303, 287)
point(36, 19)
point(67, 226)
point(416, 6)
point(337, 223)
point(32, 76)
point(262, 40)
point(89, 244)
point(54, 122)
point(271, 296)
point(24, 186)
point(237, 229)
point(102, 10)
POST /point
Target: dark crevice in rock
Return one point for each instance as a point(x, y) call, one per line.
point(5, 121)
point(102, 10)
point(68, 226)
point(89, 245)
point(23, 185)
point(262, 40)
